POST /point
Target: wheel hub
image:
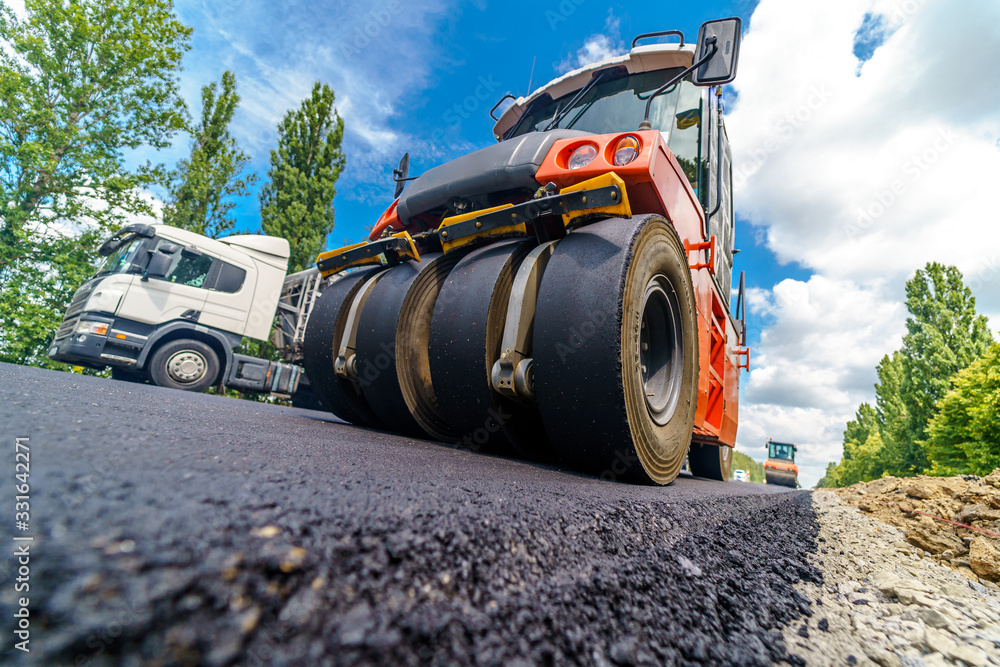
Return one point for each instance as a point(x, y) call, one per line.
point(660, 363)
point(186, 366)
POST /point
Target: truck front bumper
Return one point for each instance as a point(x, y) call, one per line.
point(97, 350)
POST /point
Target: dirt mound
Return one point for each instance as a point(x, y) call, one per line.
point(955, 520)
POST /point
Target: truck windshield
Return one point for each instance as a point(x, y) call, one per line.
point(120, 261)
point(618, 105)
point(782, 451)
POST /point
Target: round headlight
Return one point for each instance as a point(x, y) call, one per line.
point(626, 150)
point(582, 156)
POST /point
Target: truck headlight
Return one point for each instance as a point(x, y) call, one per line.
point(582, 156)
point(626, 150)
point(89, 327)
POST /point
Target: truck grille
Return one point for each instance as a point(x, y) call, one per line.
point(72, 315)
point(67, 327)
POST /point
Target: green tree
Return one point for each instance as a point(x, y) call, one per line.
point(831, 479)
point(743, 462)
point(203, 186)
point(81, 83)
point(862, 460)
point(864, 424)
point(297, 201)
point(964, 435)
point(900, 456)
point(944, 335)
point(864, 456)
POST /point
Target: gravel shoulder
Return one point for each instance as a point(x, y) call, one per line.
point(883, 601)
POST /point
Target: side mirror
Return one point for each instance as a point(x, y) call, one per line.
point(399, 174)
point(722, 35)
point(500, 108)
point(159, 264)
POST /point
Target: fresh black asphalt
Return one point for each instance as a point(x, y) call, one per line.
point(176, 528)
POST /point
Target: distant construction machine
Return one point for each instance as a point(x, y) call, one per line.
point(780, 466)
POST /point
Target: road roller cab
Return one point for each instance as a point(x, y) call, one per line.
point(563, 295)
point(780, 466)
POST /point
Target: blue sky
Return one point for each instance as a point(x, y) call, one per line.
point(863, 148)
point(852, 123)
point(417, 77)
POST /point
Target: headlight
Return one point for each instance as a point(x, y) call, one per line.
point(87, 327)
point(626, 150)
point(582, 156)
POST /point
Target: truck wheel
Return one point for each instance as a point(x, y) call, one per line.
point(184, 364)
point(616, 350)
point(711, 461)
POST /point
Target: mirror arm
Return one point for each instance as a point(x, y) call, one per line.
point(718, 154)
point(644, 125)
point(741, 308)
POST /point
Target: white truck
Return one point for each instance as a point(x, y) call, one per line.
point(171, 307)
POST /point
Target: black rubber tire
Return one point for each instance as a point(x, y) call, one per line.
point(392, 348)
point(125, 375)
point(711, 461)
point(199, 354)
point(466, 335)
point(586, 347)
point(324, 330)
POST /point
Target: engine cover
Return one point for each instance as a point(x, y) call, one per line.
point(509, 165)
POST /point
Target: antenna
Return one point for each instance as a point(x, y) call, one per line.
point(532, 75)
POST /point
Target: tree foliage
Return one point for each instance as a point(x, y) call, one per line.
point(964, 435)
point(831, 479)
point(862, 460)
point(81, 83)
point(901, 456)
point(864, 424)
point(202, 187)
point(296, 202)
point(743, 462)
point(944, 336)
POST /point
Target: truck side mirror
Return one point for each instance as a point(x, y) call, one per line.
point(723, 36)
point(500, 108)
point(159, 264)
point(399, 174)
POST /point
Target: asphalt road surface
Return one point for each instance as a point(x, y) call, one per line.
point(179, 528)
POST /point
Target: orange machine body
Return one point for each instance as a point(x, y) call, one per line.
point(656, 183)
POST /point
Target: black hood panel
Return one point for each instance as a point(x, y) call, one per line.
point(509, 165)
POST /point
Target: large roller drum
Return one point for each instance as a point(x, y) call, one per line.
point(392, 342)
point(465, 342)
point(321, 345)
point(615, 350)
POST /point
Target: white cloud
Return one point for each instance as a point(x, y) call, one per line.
point(597, 47)
point(861, 173)
point(374, 53)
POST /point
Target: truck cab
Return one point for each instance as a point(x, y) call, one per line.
point(171, 306)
